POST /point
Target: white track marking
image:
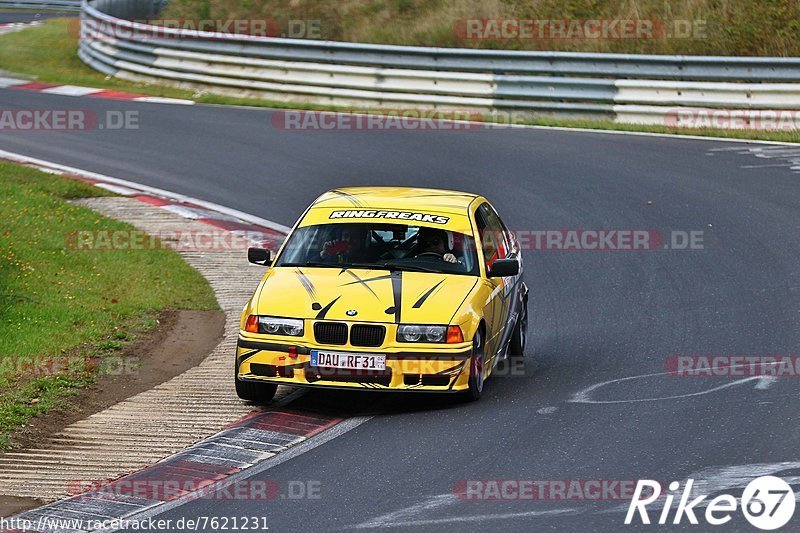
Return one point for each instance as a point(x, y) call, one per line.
point(765, 382)
point(395, 518)
point(182, 211)
point(119, 189)
point(584, 395)
point(767, 166)
point(160, 100)
point(547, 410)
point(483, 518)
point(10, 82)
point(55, 168)
point(71, 90)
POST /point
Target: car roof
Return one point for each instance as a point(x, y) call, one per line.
point(361, 204)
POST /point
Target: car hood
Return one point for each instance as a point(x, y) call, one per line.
point(374, 295)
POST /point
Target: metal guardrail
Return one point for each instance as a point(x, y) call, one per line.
point(55, 5)
point(373, 76)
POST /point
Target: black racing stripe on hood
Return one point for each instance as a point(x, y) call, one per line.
point(367, 280)
point(324, 310)
point(425, 296)
point(307, 284)
point(362, 282)
point(397, 294)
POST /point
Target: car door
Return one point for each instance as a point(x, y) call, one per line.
point(494, 245)
point(513, 287)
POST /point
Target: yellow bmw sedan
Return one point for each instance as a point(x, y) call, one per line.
point(385, 288)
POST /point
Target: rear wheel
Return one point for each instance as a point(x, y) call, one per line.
point(253, 391)
point(520, 335)
point(477, 368)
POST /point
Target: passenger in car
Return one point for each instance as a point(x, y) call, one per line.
point(348, 248)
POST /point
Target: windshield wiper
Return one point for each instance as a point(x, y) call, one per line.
point(409, 268)
point(311, 264)
point(392, 267)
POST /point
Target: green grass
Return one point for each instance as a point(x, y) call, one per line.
point(729, 27)
point(49, 53)
point(67, 305)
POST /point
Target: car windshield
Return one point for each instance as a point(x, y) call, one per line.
point(381, 246)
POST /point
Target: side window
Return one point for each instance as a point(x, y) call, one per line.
point(491, 232)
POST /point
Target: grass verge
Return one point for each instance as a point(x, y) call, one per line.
point(699, 27)
point(65, 312)
point(49, 53)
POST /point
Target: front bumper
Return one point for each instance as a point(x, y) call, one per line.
point(441, 370)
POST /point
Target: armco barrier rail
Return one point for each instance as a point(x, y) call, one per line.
point(628, 88)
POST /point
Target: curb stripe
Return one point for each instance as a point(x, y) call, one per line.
point(198, 471)
point(87, 92)
point(71, 90)
point(35, 86)
point(114, 95)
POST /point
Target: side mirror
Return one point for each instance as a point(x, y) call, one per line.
point(259, 256)
point(503, 268)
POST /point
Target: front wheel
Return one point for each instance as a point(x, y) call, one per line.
point(477, 369)
point(253, 391)
point(520, 335)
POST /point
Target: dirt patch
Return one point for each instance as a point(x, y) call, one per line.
point(11, 505)
point(181, 341)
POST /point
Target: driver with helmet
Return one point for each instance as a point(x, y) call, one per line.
point(434, 242)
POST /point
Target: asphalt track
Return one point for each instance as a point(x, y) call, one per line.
point(595, 316)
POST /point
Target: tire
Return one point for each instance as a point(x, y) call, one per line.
point(253, 391)
point(520, 335)
point(477, 369)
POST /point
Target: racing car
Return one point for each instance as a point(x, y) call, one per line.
point(385, 288)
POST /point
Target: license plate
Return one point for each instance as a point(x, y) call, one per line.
point(350, 361)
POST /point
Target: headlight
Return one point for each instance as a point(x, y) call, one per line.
point(273, 325)
point(409, 333)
